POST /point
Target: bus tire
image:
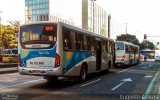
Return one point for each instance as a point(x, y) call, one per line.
point(83, 73)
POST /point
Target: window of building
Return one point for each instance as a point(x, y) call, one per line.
point(34, 2)
point(26, 2)
point(30, 1)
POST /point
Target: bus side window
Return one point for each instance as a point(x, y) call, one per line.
point(67, 39)
point(80, 41)
point(90, 43)
point(110, 47)
point(103, 46)
point(128, 49)
point(106, 46)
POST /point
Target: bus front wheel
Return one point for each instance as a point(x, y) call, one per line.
point(83, 73)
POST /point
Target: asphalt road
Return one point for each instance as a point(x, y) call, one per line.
point(135, 83)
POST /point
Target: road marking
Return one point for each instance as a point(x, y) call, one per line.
point(150, 86)
point(144, 67)
point(150, 65)
point(20, 84)
point(123, 81)
point(141, 64)
point(159, 90)
point(90, 82)
point(118, 86)
point(125, 70)
point(148, 76)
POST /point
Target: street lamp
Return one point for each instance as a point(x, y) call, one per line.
point(126, 27)
point(93, 13)
point(126, 30)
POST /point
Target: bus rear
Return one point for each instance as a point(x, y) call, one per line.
point(37, 50)
point(120, 53)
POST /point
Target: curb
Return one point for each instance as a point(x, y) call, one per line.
point(8, 70)
point(6, 65)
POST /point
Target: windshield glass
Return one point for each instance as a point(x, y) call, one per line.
point(120, 46)
point(38, 36)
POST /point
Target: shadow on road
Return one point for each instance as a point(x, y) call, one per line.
point(65, 82)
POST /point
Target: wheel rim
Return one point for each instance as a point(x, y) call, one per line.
point(83, 74)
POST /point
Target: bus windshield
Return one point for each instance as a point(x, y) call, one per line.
point(120, 46)
point(38, 36)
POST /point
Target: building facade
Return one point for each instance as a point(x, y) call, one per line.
point(41, 10)
point(85, 13)
point(36, 10)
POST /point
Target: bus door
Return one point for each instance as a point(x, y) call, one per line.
point(98, 55)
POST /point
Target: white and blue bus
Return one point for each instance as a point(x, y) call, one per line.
point(55, 50)
point(127, 53)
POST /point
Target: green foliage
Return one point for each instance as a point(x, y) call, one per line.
point(128, 38)
point(147, 45)
point(132, 38)
point(8, 35)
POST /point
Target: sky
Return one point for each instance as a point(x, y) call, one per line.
point(142, 16)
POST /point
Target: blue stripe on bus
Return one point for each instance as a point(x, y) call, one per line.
point(75, 58)
point(29, 54)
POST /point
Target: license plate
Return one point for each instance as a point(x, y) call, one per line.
point(37, 63)
point(37, 72)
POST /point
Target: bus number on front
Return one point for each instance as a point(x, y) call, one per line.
point(36, 63)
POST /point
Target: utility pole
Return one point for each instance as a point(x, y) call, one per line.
point(126, 26)
point(93, 1)
point(85, 14)
point(109, 25)
point(126, 31)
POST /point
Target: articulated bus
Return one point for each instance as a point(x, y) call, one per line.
point(55, 50)
point(126, 53)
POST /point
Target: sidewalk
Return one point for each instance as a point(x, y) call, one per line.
point(6, 68)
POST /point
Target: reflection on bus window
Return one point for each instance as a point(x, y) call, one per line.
point(120, 46)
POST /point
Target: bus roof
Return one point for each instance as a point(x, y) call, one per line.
point(84, 31)
point(71, 27)
point(128, 43)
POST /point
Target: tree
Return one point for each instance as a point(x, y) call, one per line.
point(147, 45)
point(15, 24)
point(128, 38)
point(8, 35)
point(2, 31)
